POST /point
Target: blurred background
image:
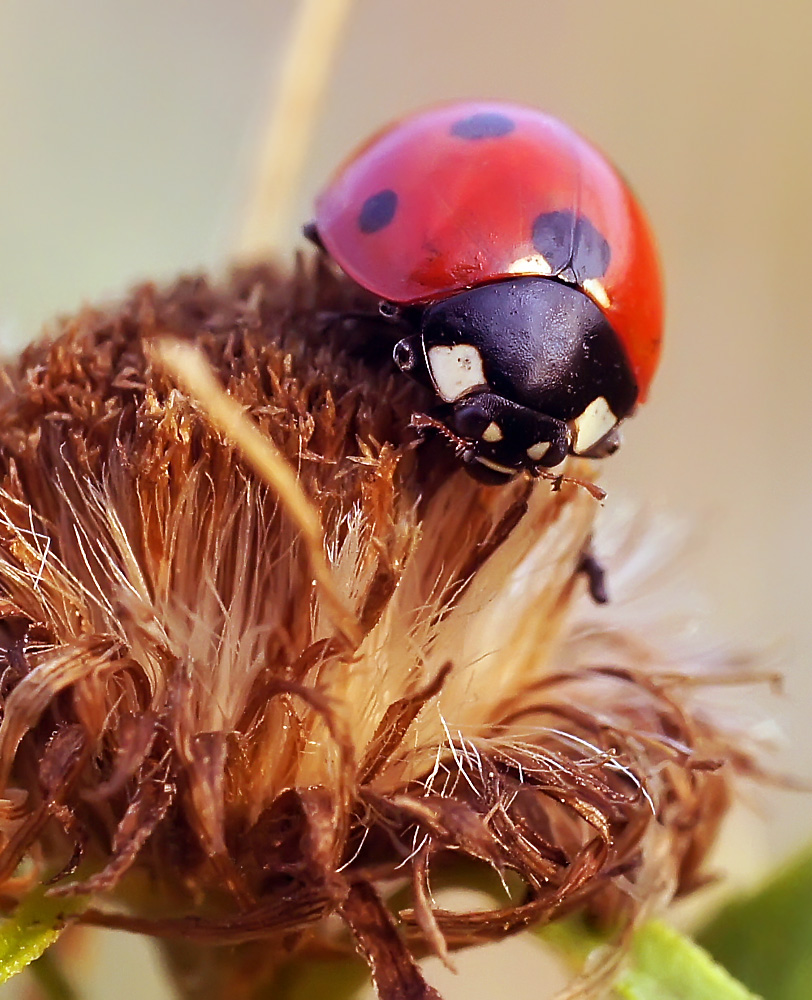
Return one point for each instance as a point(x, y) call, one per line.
point(127, 140)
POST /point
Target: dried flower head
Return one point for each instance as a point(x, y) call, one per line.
point(199, 735)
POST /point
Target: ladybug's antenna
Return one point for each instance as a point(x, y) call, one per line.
point(297, 96)
point(558, 480)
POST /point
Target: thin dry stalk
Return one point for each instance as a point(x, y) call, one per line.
point(294, 106)
point(189, 369)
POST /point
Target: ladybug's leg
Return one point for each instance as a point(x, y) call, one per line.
point(310, 232)
point(594, 572)
point(349, 317)
point(391, 319)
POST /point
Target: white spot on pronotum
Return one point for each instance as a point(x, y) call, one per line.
point(595, 290)
point(492, 433)
point(538, 450)
point(534, 263)
point(455, 370)
point(594, 423)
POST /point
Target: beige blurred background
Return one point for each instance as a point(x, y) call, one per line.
point(126, 133)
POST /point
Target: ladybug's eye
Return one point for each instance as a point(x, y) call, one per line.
point(471, 422)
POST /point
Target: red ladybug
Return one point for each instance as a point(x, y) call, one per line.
point(525, 268)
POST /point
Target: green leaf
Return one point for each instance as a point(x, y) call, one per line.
point(766, 938)
point(665, 965)
point(32, 927)
point(661, 964)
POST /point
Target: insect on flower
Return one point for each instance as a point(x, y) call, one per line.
point(523, 269)
point(268, 673)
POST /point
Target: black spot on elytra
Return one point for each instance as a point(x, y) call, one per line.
point(483, 125)
point(571, 245)
point(377, 211)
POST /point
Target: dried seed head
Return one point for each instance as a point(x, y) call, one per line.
point(180, 700)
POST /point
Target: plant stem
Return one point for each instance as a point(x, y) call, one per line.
point(51, 979)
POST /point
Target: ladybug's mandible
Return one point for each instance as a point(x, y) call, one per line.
point(523, 265)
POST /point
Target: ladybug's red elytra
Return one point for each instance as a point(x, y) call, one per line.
point(525, 268)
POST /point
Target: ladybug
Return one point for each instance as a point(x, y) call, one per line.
point(523, 269)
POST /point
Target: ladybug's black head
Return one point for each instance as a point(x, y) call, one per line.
point(527, 369)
